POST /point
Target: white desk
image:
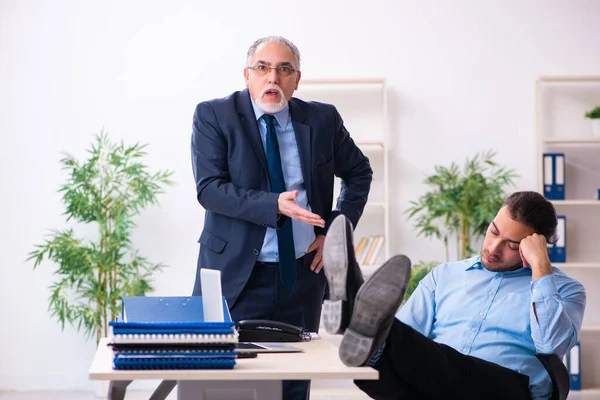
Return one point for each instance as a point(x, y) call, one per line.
point(251, 378)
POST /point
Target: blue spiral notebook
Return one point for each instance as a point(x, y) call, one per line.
point(170, 319)
point(121, 363)
point(167, 347)
point(216, 328)
point(176, 354)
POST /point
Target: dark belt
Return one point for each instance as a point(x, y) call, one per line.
point(276, 263)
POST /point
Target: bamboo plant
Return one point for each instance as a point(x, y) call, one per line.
point(106, 191)
point(461, 202)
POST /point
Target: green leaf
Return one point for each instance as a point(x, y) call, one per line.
point(593, 113)
point(418, 272)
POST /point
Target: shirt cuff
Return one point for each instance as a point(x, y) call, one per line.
point(543, 287)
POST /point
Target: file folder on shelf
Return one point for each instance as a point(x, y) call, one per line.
point(548, 176)
point(574, 366)
point(550, 248)
point(559, 176)
point(558, 251)
point(554, 176)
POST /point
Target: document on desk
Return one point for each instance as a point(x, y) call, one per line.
point(267, 347)
point(211, 295)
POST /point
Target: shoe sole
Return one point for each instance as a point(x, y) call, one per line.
point(377, 300)
point(335, 266)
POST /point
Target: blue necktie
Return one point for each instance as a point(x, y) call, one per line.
point(285, 235)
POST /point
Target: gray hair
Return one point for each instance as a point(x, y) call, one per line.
point(274, 39)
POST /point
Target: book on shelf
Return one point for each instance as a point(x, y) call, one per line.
point(369, 256)
point(368, 249)
point(359, 248)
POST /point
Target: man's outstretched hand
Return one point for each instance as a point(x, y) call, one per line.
point(287, 206)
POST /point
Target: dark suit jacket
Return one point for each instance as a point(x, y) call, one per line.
point(232, 182)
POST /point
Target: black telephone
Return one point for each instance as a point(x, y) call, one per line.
point(262, 330)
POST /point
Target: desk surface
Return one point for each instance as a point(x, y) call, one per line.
point(319, 360)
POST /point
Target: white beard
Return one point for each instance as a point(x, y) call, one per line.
point(271, 108)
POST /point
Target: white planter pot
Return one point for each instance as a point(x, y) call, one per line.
point(596, 127)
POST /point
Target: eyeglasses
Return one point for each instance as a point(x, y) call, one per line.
point(263, 70)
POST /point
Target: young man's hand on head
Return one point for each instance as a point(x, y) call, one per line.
point(534, 254)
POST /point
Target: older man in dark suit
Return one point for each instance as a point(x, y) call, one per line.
point(264, 165)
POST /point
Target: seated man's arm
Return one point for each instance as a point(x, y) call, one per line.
point(556, 314)
point(419, 311)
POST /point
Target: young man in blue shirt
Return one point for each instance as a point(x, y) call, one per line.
point(472, 328)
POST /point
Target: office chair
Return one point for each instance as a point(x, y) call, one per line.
point(561, 382)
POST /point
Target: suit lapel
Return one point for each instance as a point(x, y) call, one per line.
point(303, 139)
point(248, 120)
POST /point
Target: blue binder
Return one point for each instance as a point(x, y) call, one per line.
point(550, 248)
point(169, 315)
point(554, 176)
point(156, 309)
point(559, 250)
point(548, 176)
point(574, 366)
point(559, 176)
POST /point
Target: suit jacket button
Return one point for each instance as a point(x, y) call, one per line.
point(255, 251)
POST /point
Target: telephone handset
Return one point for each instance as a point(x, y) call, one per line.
point(262, 330)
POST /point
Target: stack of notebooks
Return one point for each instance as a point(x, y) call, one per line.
point(169, 333)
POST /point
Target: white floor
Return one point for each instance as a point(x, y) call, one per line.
point(317, 394)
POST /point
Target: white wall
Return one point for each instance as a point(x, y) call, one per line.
point(461, 76)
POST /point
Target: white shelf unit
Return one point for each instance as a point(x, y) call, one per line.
point(562, 128)
point(575, 203)
point(577, 265)
point(363, 105)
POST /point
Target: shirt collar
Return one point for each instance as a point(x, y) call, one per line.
point(475, 263)
point(282, 116)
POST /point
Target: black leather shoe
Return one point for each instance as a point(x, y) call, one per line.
point(343, 275)
point(376, 305)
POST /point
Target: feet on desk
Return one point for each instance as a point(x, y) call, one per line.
point(343, 275)
point(364, 312)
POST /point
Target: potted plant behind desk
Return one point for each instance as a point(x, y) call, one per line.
point(460, 206)
point(106, 191)
point(594, 115)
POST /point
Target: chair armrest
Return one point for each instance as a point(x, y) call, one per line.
point(561, 382)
